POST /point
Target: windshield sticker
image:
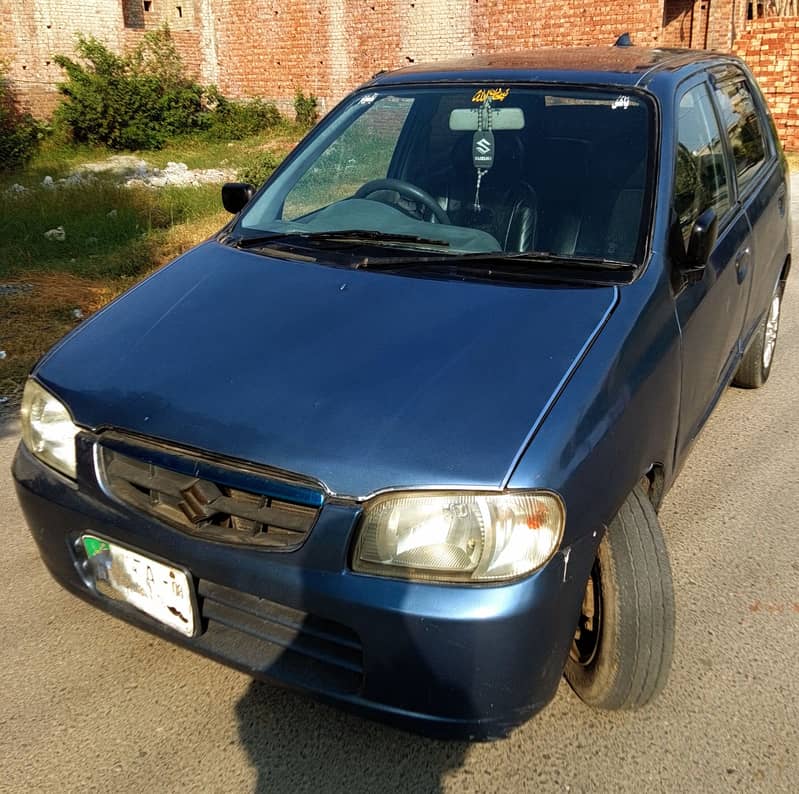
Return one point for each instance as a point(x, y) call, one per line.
point(622, 102)
point(367, 99)
point(494, 94)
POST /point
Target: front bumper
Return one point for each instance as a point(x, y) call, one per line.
point(448, 661)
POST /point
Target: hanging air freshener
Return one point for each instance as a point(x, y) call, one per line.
point(483, 149)
point(483, 140)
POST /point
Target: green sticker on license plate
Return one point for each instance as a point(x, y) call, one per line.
point(162, 591)
point(94, 545)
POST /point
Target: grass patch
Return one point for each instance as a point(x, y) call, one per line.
point(109, 230)
point(31, 321)
point(59, 160)
point(198, 152)
point(52, 159)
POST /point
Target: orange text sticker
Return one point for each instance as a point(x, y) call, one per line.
point(494, 94)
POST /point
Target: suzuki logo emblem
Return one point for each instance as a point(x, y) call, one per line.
point(483, 146)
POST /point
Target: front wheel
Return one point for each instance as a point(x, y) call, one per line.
point(755, 366)
point(621, 652)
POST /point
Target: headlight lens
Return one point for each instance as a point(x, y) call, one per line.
point(459, 537)
point(47, 428)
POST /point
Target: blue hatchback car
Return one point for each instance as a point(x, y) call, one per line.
point(397, 435)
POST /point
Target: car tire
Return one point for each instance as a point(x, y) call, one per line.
point(755, 366)
point(621, 656)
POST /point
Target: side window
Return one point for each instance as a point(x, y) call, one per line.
point(700, 178)
point(742, 123)
point(360, 154)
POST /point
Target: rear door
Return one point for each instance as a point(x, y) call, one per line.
point(760, 182)
point(710, 310)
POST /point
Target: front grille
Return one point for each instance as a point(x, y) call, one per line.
point(281, 642)
point(206, 499)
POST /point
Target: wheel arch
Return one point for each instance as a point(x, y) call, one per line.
point(654, 483)
point(786, 269)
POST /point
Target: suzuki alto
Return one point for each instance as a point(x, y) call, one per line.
point(397, 435)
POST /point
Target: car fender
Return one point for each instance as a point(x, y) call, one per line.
point(617, 417)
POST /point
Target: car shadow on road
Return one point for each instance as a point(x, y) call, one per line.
point(297, 744)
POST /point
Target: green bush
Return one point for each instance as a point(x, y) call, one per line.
point(306, 109)
point(143, 99)
point(260, 169)
point(19, 132)
point(237, 120)
point(135, 101)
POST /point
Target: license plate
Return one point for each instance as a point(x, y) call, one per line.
point(155, 588)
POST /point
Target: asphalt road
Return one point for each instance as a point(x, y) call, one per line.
point(88, 703)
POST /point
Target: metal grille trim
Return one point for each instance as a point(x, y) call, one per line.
point(205, 499)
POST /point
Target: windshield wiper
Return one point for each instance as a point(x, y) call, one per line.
point(354, 236)
point(515, 262)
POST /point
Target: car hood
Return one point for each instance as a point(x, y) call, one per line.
point(363, 380)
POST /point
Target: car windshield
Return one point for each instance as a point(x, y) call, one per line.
point(456, 170)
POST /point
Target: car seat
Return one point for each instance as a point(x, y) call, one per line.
point(508, 208)
point(561, 176)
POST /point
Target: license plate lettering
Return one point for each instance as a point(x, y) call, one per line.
point(157, 589)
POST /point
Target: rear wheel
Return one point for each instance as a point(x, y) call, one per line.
point(621, 652)
point(755, 366)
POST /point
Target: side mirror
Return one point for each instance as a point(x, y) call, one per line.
point(700, 243)
point(236, 195)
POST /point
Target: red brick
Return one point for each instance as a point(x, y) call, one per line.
point(271, 48)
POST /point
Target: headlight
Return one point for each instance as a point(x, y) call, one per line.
point(47, 428)
point(459, 537)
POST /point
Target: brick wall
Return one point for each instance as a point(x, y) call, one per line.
point(187, 43)
point(678, 23)
point(271, 48)
point(504, 25)
point(33, 30)
point(710, 24)
point(151, 14)
point(771, 48)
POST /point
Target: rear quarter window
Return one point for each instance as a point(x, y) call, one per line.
point(743, 126)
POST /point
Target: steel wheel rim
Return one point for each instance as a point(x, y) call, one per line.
point(772, 326)
point(585, 643)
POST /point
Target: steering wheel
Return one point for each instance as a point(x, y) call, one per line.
point(407, 190)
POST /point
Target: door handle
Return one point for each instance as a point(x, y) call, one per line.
point(742, 262)
point(781, 199)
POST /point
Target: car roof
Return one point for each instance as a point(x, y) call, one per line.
point(597, 65)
